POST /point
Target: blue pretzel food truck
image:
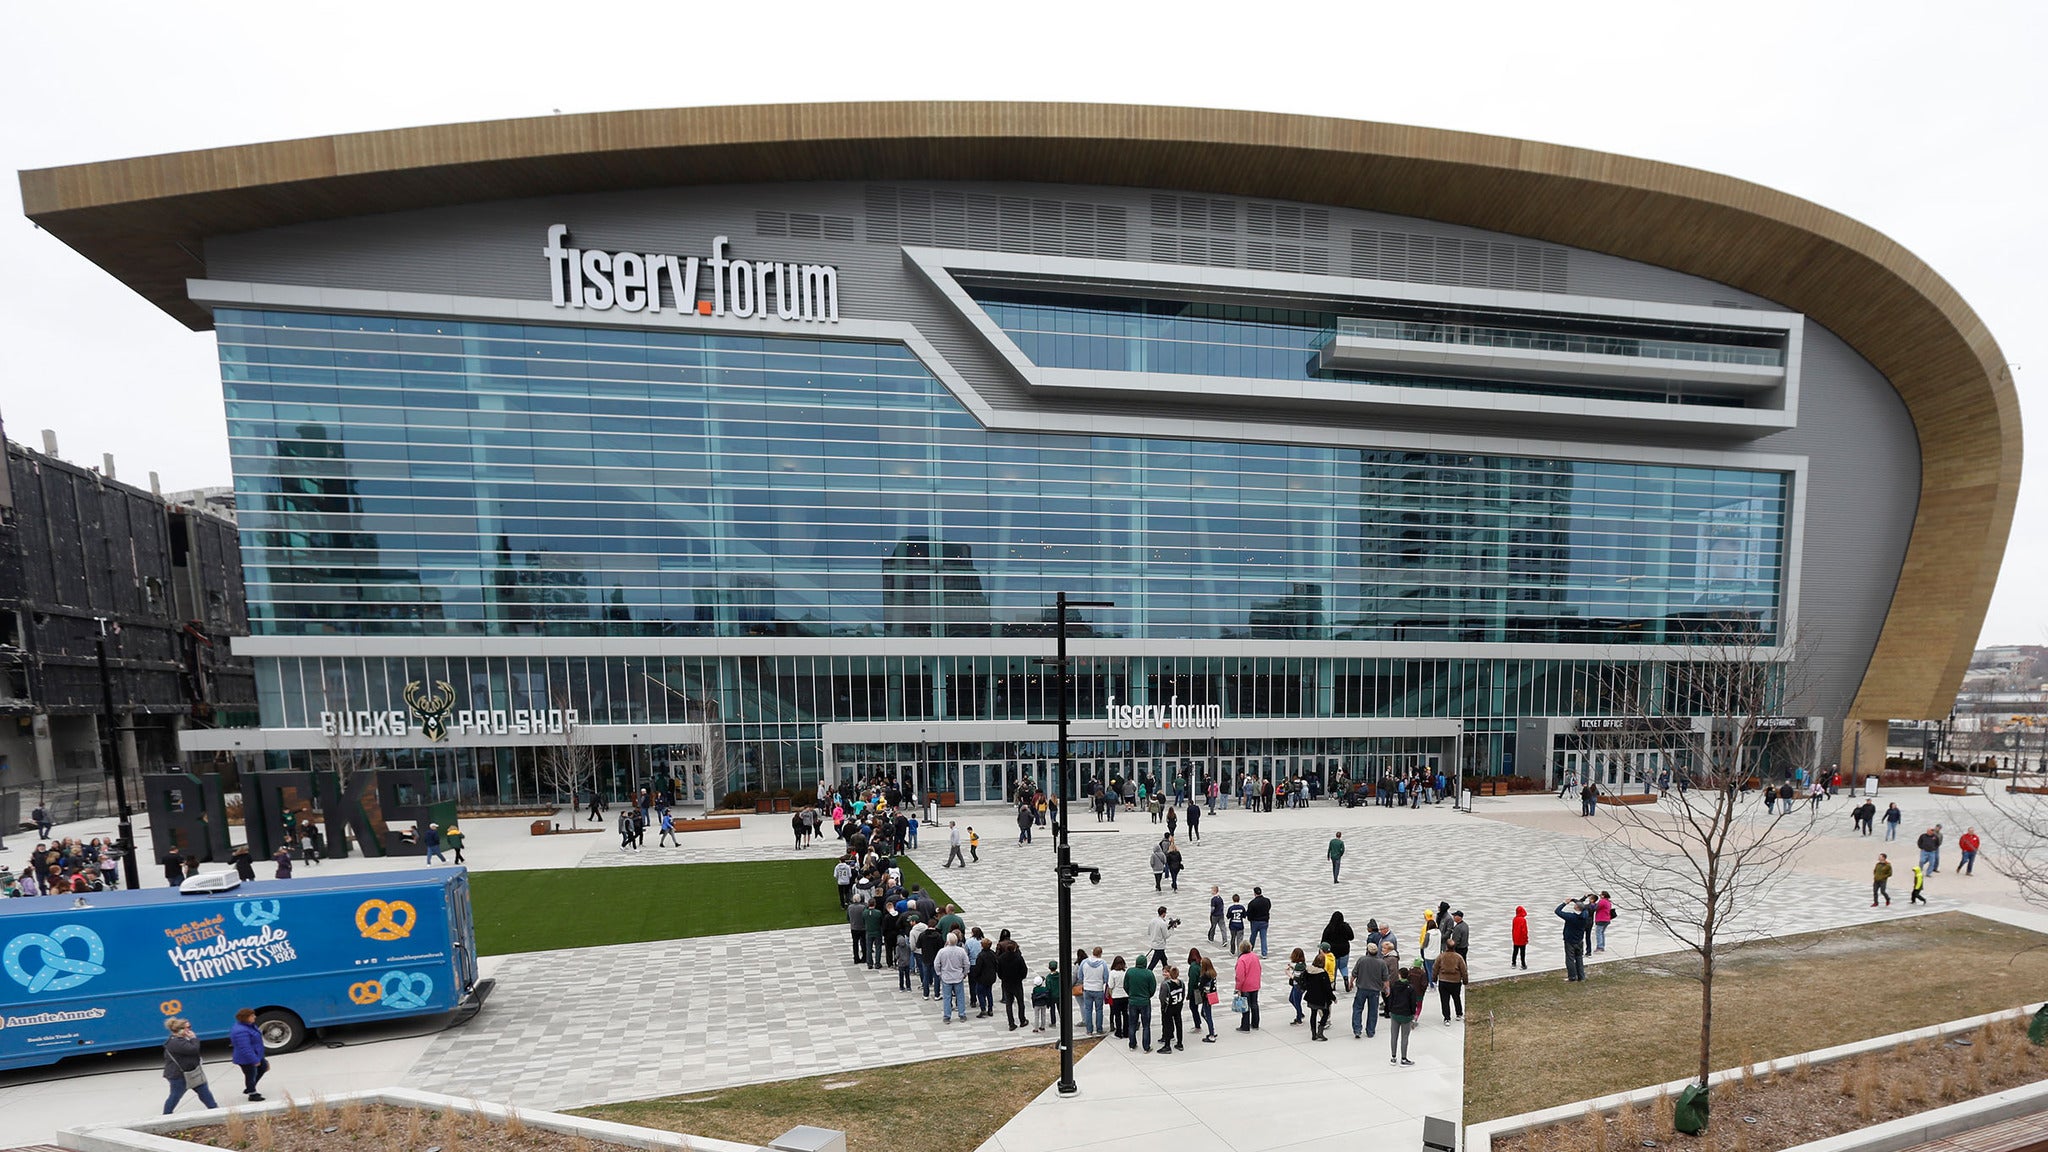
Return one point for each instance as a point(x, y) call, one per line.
point(103, 976)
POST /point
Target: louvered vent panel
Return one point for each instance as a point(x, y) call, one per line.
point(803, 225)
point(943, 218)
point(1377, 254)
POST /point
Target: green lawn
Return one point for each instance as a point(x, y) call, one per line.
point(531, 911)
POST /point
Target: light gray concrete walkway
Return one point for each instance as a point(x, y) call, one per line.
point(585, 1026)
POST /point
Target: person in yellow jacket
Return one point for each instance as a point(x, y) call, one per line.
point(1430, 948)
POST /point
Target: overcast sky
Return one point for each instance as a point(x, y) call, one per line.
point(1925, 121)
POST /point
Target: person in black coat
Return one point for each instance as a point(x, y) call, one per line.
point(1012, 970)
point(245, 867)
point(1338, 935)
point(174, 867)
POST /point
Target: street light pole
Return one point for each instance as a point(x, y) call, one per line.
point(1063, 855)
point(113, 758)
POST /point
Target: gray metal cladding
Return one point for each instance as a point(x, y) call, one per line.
point(1863, 454)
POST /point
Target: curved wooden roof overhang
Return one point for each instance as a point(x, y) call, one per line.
point(144, 220)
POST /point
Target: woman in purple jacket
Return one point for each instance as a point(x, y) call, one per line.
point(247, 1043)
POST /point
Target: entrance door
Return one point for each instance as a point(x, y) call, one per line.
point(910, 781)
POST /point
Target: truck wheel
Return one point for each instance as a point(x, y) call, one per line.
point(282, 1030)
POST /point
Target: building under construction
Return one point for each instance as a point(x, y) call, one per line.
point(77, 548)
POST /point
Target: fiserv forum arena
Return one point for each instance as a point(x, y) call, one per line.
point(749, 445)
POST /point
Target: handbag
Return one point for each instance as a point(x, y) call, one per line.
point(1212, 999)
point(1237, 1002)
point(195, 1077)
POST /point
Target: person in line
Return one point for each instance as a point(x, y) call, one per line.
point(1968, 845)
point(1246, 977)
point(1119, 1021)
point(1297, 967)
point(952, 966)
point(1458, 937)
point(1012, 971)
point(1139, 987)
point(1338, 935)
point(1173, 863)
point(246, 1044)
point(872, 918)
point(1336, 854)
point(1259, 917)
point(1881, 876)
point(1173, 995)
point(1093, 973)
point(981, 975)
point(1319, 991)
point(1201, 984)
point(1450, 983)
point(857, 928)
point(1518, 935)
point(182, 1065)
point(1575, 920)
point(1403, 1005)
point(1432, 944)
point(1368, 984)
point(953, 838)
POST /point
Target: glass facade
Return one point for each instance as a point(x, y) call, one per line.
point(1195, 338)
point(429, 477)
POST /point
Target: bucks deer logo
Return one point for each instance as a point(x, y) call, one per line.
point(431, 708)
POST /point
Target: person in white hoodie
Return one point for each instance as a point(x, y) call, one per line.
point(1094, 976)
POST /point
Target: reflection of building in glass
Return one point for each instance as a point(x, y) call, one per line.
point(315, 555)
point(932, 590)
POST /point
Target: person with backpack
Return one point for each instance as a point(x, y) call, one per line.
point(41, 816)
point(1403, 1004)
point(1173, 996)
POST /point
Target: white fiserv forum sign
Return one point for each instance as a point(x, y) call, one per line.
point(635, 282)
point(1126, 717)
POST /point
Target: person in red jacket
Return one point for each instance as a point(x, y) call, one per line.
point(1969, 844)
point(1520, 930)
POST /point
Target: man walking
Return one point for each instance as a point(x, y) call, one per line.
point(954, 838)
point(1969, 845)
point(1234, 918)
point(1879, 877)
point(431, 838)
point(1155, 939)
point(1336, 851)
point(1194, 820)
point(1576, 922)
point(1215, 912)
point(41, 816)
point(1259, 914)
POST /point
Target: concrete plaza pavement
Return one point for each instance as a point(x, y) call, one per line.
point(584, 1026)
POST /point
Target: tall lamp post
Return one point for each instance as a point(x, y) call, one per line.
point(113, 757)
point(1064, 866)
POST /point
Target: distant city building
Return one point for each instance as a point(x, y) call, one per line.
point(76, 547)
point(218, 500)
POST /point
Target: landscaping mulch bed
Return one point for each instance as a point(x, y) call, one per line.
point(949, 1105)
point(354, 1126)
point(1535, 1041)
point(1812, 1103)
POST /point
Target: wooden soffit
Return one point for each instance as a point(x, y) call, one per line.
point(144, 220)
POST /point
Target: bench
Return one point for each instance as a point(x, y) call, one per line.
point(1619, 799)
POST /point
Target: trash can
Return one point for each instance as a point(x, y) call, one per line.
point(1690, 1115)
point(2038, 1030)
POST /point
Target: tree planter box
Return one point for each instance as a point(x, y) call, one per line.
point(764, 807)
point(709, 824)
point(1620, 799)
point(1493, 787)
point(543, 828)
point(2028, 789)
point(1947, 790)
point(948, 799)
point(782, 803)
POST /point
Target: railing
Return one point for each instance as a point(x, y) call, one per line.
point(1536, 340)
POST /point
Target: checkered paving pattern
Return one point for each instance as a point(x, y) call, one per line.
point(573, 1027)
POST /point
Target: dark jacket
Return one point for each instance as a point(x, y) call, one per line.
point(1259, 909)
point(984, 971)
point(1401, 1000)
point(1337, 934)
point(1315, 986)
point(181, 1055)
point(1576, 924)
point(1011, 969)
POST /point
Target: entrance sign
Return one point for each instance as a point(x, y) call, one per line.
point(633, 282)
point(430, 712)
point(1138, 717)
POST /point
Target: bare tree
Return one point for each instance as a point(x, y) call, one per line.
point(346, 757)
point(568, 764)
point(1723, 714)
